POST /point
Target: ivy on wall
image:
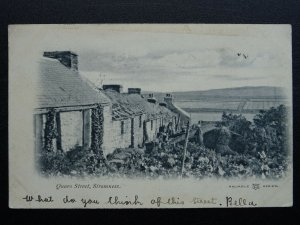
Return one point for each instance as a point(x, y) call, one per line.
point(97, 129)
point(145, 133)
point(50, 131)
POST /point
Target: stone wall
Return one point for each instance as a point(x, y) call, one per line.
point(138, 130)
point(75, 128)
point(121, 140)
point(112, 132)
point(157, 123)
point(152, 132)
point(108, 132)
point(71, 129)
point(113, 138)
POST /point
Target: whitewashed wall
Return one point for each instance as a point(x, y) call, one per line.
point(138, 131)
point(113, 138)
point(107, 146)
point(71, 129)
point(152, 132)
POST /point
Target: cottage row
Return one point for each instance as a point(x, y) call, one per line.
point(71, 113)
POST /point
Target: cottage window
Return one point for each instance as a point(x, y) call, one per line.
point(151, 124)
point(122, 127)
point(140, 121)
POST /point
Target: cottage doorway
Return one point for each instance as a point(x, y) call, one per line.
point(132, 132)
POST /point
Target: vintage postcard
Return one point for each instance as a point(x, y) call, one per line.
point(150, 116)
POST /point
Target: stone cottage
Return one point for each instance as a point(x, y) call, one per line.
point(157, 115)
point(183, 116)
point(135, 120)
point(67, 108)
point(126, 119)
point(71, 113)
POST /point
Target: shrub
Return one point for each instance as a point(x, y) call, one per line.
point(54, 163)
point(77, 162)
point(237, 149)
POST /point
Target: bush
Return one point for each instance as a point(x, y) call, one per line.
point(77, 162)
point(268, 133)
point(166, 163)
point(237, 148)
point(54, 163)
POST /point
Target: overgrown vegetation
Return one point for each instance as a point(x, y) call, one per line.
point(97, 129)
point(268, 132)
point(50, 131)
point(200, 163)
point(239, 149)
point(76, 162)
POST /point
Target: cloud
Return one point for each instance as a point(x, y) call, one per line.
point(176, 61)
point(235, 77)
point(184, 69)
point(266, 60)
point(241, 58)
point(179, 68)
point(188, 59)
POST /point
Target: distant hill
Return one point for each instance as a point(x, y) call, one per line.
point(228, 93)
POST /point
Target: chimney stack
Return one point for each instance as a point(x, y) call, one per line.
point(168, 99)
point(134, 91)
point(115, 87)
point(67, 58)
point(151, 98)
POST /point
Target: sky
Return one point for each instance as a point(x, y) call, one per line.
point(173, 57)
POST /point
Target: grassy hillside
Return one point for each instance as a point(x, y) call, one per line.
point(228, 93)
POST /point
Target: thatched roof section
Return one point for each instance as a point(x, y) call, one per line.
point(126, 106)
point(122, 106)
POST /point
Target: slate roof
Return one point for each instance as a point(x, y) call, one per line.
point(122, 105)
point(171, 106)
point(152, 111)
point(59, 86)
point(176, 109)
point(126, 106)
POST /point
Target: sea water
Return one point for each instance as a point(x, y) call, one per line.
point(214, 116)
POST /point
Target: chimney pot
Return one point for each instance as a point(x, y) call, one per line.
point(151, 98)
point(163, 104)
point(168, 98)
point(115, 87)
point(67, 58)
point(134, 91)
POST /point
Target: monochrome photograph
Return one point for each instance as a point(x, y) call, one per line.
point(151, 103)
